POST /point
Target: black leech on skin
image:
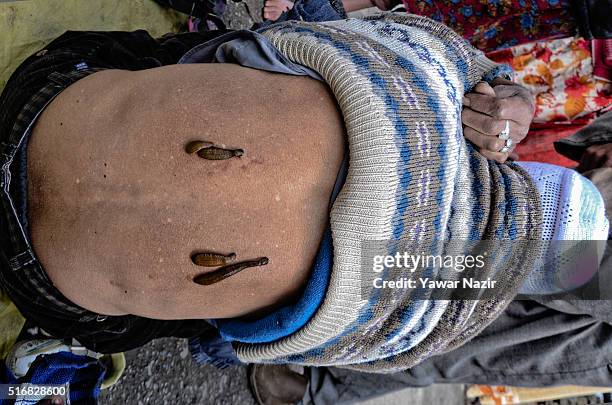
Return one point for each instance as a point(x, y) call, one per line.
point(207, 150)
point(215, 153)
point(195, 146)
point(210, 259)
point(227, 271)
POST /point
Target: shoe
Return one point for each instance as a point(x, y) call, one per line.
point(115, 366)
point(276, 384)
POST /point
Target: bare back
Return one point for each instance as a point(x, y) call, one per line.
point(117, 207)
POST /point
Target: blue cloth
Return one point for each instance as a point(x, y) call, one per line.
point(246, 48)
point(215, 348)
point(306, 10)
point(210, 348)
point(84, 375)
point(290, 318)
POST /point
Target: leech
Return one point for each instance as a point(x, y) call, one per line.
point(209, 259)
point(195, 146)
point(228, 271)
point(215, 153)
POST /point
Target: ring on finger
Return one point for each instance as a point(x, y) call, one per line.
point(505, 133)
point(508, 146)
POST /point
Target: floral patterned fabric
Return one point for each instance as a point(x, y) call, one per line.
point(505, 395)
point(497, 24)
point(536, 38)
point(560, 75)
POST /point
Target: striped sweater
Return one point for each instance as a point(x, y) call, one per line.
point(399, 81)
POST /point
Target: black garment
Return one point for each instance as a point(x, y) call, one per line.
point(594, 18)
point(196, 8)
point(32, 86)
point(596, 133)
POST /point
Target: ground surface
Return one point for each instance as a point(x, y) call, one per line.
point(163, 372)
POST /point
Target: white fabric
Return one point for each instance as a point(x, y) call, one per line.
point(572, 210)
point(572, 207)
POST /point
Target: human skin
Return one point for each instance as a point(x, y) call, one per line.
point(117, 207)
point(485, 112)
point(273, 9)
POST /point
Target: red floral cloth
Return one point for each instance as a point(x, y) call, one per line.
point(559, 73)
point(497, 24)
point(535, 37)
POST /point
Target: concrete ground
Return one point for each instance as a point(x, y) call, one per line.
point(163, 372)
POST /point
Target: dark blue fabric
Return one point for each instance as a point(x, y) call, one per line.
point(311, 10)
point(306, 10)
point(210, 348)
point(83, 374)
point(290, 318)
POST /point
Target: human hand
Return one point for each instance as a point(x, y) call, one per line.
point(274, 8)
point(486, 110)
point(596, 156)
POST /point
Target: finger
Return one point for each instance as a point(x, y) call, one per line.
point(513, 156)
point(272, 11)
point(512, 108)
point(497, 156)
point(604, 152)
point(484, 88)
point(272, 15)
point(501, 81)
point(285, 5)
point(483, 141)
point(276, 3)
point(482, 122)
point(487, 125)
point(518, 92)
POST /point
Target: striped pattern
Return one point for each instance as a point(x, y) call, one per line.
point(25, 269)
point(399, 81)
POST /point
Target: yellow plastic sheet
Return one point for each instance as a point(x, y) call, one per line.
point(27, 25)
point(11, 323)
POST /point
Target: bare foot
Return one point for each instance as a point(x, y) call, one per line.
point(274, 8)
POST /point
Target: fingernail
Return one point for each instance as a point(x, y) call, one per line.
point(466, 101)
